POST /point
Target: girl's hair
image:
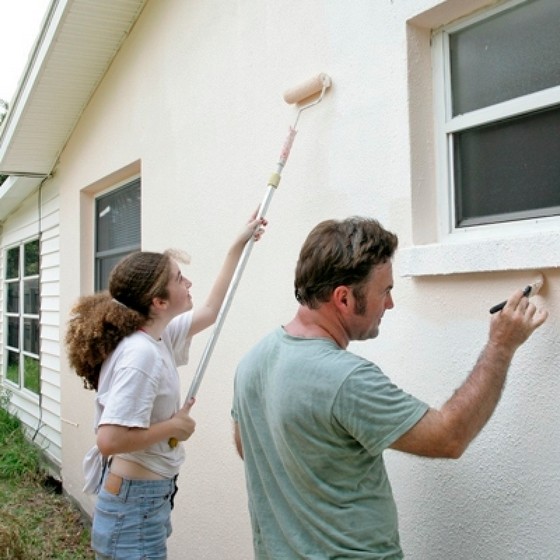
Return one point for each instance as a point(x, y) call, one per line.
point(340, 253)
point(100, 321)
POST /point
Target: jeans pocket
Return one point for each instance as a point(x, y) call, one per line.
point(105, 531)
point(156, 526)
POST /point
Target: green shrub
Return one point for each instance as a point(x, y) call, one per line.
point(35, 522)
point(18, 456)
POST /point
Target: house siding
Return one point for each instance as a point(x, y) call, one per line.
point(38, 216)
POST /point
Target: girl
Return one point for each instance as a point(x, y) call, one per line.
point(126, 344)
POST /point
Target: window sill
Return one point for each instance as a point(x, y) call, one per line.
point(459, 256)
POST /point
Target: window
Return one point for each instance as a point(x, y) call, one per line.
point(22, 316)
point(117, 225)
point(499, 127)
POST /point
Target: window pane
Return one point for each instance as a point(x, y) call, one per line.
point(514, 53)
point(31, 258)
point(12, 304)
point(508, 169)
point(104, 270)
point(31, 296)
point(13, 332)
point(118, 218)
point(31, 335)
point(12, 263)
point(12, 372)
point(31, 374)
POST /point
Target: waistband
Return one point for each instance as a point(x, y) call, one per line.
point(124, 487)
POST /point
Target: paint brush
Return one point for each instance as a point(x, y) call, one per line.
point(530, 290)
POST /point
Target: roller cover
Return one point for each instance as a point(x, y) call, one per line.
point(307, 89)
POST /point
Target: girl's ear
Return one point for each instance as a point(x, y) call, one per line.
point(159, 303)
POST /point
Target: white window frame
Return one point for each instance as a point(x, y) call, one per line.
point(525, 244)
point(447, 125)
point(22, 315)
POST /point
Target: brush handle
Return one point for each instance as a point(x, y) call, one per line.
point(501, 305)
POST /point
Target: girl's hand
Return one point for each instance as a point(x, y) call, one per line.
point(259, 227)
point(255, 228)
point(183, 424)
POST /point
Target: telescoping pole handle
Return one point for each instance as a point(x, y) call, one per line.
point(273, 184)
point(306, 95)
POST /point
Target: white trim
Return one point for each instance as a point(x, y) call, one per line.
point(507, 109)
point(519, 244)
point(521, 252)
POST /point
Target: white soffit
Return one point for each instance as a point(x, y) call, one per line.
point(74, 49)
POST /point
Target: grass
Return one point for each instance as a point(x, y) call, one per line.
point(36, 521)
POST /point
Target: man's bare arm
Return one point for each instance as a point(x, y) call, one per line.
point(448, 432)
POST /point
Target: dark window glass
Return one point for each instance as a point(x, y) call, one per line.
point(13, 332)
point(106, 265)
point(31, 335)
point(31, 296)
point(118, 229)
point(12, 372)
point(118, 218)
point(12, 263)
point(31, 374)
point(31, 258)
point(508, 170)
point(514, 53)
point(12, 294)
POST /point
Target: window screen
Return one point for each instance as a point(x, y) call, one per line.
point(118, 227)
point(502, 122)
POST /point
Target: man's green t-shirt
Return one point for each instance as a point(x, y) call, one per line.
point(314, 420)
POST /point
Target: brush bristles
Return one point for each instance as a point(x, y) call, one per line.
point(537, 285)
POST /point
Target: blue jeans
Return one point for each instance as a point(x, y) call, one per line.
point(132, 520)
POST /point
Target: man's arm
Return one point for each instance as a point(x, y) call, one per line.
point(237, 439)
point(449, 431)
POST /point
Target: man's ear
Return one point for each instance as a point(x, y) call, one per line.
point(341, 297)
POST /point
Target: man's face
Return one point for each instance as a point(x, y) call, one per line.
point(376, 299)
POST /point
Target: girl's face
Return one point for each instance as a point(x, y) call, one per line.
point(178, 288)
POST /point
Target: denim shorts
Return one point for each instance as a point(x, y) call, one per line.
point(133, 521)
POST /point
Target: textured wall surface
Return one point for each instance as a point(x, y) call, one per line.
point(195, 99)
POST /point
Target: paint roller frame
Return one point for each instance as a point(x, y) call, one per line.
point(305, 91)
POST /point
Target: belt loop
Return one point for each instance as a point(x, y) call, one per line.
point(125, 488)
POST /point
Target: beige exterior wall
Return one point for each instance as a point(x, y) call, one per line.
point(193, 104)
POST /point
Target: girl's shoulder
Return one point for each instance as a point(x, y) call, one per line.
point(139, 351)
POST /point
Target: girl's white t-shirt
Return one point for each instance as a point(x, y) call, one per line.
point(139, 386)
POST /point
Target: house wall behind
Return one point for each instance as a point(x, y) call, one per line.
point(38, 217)
point(193, 102)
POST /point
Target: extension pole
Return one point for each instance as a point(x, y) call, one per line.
point(311, 87)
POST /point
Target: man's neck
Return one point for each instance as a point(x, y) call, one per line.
point(317, 323)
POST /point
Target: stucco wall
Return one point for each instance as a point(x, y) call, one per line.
point(193, 102)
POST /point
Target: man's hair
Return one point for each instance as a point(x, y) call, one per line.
point(340, 253)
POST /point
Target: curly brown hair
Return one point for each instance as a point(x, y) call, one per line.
point(100, 321)
point(97, 325)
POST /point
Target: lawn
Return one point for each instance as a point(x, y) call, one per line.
point(36, 520)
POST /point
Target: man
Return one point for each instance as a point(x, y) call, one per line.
point(312, 419)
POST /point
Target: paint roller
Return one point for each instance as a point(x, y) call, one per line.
point(530, 290)
point(305, 95)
